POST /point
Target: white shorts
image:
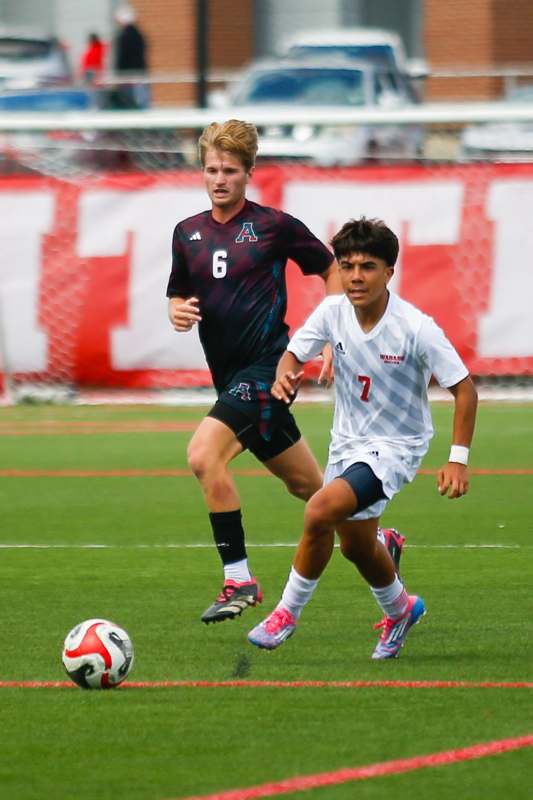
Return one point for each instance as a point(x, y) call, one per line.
point(394, 468)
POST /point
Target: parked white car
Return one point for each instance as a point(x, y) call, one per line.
point(505, 141)
point(276, 85)
point(29, 60)
point(383, 48)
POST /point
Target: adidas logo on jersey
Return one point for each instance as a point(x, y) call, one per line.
point(196, 237)
point(340, 348)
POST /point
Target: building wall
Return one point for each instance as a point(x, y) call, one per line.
point(513, 31)
point(474, 35)
point(35, 14)
point(231, 35)
point(171, 29)
point(403, 17)
point(276, 19)
point(451, 34)
point(74, 21)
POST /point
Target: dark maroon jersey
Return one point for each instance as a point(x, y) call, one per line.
point(237, 272)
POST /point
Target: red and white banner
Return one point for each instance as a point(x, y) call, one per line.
point(85, 265)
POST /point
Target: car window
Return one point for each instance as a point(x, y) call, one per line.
point(23, 49)
point(305, 87)
point(274, 87)
point(381, 54)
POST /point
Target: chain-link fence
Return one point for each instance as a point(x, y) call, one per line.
point(89, 203)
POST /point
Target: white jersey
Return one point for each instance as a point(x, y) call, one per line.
point(381, 378)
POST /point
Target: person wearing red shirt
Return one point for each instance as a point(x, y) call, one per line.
point(92, 59)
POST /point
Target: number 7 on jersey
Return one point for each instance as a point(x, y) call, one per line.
point(365, 391)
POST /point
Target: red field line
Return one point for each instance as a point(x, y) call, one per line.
point(396, 767)
point(283, 684)
point(114, 473)
point(498, 472)
point(88, 427)
point(182, 473)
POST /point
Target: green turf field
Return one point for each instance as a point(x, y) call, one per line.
point(471, 560)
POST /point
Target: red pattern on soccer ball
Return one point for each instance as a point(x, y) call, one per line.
point(91, 643)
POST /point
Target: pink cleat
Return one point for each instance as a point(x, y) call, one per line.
point(395, 630)
point(273, 631)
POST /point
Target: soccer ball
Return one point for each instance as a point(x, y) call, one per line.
point(97, 654)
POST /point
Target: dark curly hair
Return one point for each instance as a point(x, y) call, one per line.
point(366, 236)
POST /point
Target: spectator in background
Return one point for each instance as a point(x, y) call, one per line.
point(130, 50)
point(92, 60)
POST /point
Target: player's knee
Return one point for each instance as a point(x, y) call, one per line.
point(301, 487)
point(209, 470)
point(304, 484)
point(199, 459)
point(319, 513)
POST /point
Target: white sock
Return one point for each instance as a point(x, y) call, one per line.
point(237, 571)
point(393, 599)
point(297, 593)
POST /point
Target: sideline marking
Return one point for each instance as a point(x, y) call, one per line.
point(118, 473)
point(211, 545)
point(242, 684)
point(186, 473)
point(395, 767)
point(55, 427)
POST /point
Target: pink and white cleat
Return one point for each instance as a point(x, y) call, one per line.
point(395, 630)
point(273, 631)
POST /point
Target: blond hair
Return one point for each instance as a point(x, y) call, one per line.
point(233, 136)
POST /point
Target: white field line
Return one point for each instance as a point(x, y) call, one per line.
point(200, 546)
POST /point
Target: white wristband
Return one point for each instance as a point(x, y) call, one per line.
point(459, 454)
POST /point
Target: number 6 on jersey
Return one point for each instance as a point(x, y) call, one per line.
point(220, 265)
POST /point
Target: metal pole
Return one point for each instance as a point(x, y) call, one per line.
point(202, 13)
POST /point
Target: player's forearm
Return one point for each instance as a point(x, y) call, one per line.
point(183, 313)
point(175, 300)
point(172, 303)
point(452, 478)
point(332, 279)
point(287, 363)
point(464, 418)
point(288, 378)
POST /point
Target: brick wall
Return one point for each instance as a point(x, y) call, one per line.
point(170, 27)
point(231, 33)
point(475, 34)
point(457, 34)
point(513, 31)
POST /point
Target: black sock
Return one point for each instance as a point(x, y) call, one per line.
point(229, 535)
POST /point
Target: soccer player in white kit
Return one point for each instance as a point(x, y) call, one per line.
point(385, 352)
